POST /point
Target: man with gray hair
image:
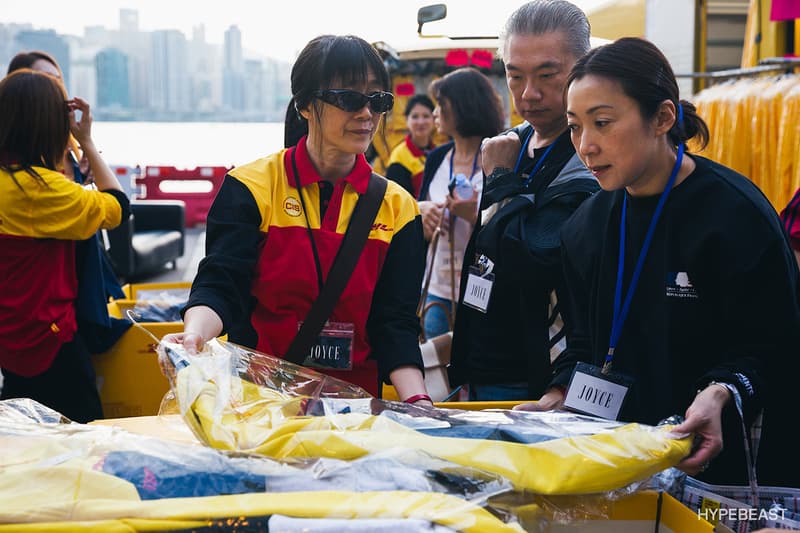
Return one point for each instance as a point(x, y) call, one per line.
point(508, 329)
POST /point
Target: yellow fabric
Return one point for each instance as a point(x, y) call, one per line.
point(52, 482)
point(753, 125)
point(267, 181)
point(48, 491)
point(53, 207)
point(787, 171)
point(261, 421)
point(403, 156)
point(178, 513)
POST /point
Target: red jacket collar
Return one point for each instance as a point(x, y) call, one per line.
point(358, 177)
point(415, 150)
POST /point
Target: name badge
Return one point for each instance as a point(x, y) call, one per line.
point(479, 289)
point(593, 393)
point(333, 347)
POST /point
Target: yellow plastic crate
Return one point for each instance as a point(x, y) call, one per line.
point(128, 375)
point(389, 393)
point(132, 290)
point(480, 406)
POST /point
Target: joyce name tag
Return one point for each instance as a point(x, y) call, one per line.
point(479, 289)
point(593, 393)
point(333, 347)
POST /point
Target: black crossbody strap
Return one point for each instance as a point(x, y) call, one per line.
point(347, 257)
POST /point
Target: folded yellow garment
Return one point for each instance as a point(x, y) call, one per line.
point(102, 515)
point(266, 422)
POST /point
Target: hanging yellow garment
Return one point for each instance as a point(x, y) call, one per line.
point(753, 129)
point(787, 171)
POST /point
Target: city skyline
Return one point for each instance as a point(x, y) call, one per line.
point(190, 66)
point(128, 73)
point(273, 29)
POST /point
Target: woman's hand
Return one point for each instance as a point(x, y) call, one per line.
point(81, 129)
point(199, 324)
point(704, 419)
point(192, 342)
point(466, 209)
point(408, 381)
point(431, 213)
point(551, 400)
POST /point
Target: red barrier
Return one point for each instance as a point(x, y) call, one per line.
point(127, 177)
point(197, 187)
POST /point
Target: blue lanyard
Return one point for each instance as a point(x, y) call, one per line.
point(524, 151)
point(621, 314)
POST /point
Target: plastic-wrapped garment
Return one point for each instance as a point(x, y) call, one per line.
point(54, 475)
point(753, 124)
point(787, 172)
point(160, 306)
point(767, 121)
point(286, 524)
point(582, 455)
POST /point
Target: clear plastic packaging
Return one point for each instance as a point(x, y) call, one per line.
point(54, 474)
point(160, 305)
point(238, 399)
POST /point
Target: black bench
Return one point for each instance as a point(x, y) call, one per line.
point(150, 240)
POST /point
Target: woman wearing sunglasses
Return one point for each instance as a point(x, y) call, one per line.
point(277, 225)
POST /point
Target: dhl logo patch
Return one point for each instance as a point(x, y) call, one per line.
point(292, 207)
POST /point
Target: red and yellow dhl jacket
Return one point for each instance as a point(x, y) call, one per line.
point(260, 276)
point(406, 166)
point(40, 220)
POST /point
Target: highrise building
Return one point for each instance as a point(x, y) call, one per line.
point(111, 65)
point(233, 71)
point(136, 45)
point(168, 73)
point(204, 72)
point(128, 20)
point(83, 75)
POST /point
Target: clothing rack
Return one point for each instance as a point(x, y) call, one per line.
point(771, 64)
point(754, 124)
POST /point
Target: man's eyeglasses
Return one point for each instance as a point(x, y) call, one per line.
point(350, 101)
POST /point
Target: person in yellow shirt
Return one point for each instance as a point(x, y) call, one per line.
point(407, 160)
point(42, 215)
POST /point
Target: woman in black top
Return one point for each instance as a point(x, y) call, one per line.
point(699, 306)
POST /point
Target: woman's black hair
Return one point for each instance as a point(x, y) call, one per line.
point(474, 102)
point(294, 125)
point(344, 60)
point(645, 75)
point(418, 99)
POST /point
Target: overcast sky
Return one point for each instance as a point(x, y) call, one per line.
point(276, 28)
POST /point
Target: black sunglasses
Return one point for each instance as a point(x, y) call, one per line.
point(350, 101)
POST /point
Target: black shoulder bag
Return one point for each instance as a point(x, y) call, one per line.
point(347, 257)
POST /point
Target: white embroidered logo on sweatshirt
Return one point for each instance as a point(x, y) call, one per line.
point(680, 286)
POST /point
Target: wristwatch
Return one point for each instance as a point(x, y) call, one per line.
point(497, 172)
